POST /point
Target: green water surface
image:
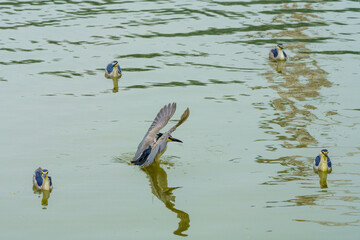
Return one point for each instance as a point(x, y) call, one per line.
point(244, 169)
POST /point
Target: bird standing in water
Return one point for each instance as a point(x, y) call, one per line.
point(113, 70)
point(278, 53)
point(322, 162)
point(42, 180)
point(154, 143)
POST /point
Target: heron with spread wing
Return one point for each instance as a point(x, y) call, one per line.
point(154, 143)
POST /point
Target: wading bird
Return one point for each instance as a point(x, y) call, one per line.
point(322, 162)
point(42, 180)
point(113, 70)
point(278, 53)
point(154, 143)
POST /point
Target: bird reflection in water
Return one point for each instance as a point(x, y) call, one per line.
point(45, 195)
point(279, 66)
point(278, 54)
point(114, 72)
point(116, 84)
point(323, 179)
point(159, 187)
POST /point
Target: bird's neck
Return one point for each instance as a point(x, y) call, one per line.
point(323, 163)
point(46, 184)
point(160, 154)
point(281, 53)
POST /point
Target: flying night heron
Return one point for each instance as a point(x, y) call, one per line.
point(42, 180)
point(113, 70)
point(154, 143)
point(322, 162)
point(278, 53)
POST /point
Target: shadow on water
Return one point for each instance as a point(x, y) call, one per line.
point(159, 187)
point(45, 196)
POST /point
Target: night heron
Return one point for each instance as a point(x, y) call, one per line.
point(322, 162)
point(113, 70)
point(154, 143)
point(278, 53)
point(42, 180)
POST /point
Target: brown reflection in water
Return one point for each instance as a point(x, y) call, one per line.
point(159, 187)
point(279, 66)
point(45, 194)
point(329, 223)
point(323, 179)
point(300, 81)
point(116, 84)
point(297, 168)
point(296, 85)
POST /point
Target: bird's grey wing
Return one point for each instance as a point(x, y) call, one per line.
point(183, 118)
point(161, 119)
point(160, 145)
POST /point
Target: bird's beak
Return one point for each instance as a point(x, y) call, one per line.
point(174, 139)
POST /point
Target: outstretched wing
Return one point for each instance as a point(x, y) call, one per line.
point(160, 144)
point(161, 119)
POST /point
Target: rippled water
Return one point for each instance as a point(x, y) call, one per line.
point(245, 167)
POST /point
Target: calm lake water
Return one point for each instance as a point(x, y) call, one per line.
point(244, 170)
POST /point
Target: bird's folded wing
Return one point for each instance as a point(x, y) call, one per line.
point(50, 181)
point(37, 179)
point(316, 163)
point(109, 68)
point(273, 53)
point(161, 119)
